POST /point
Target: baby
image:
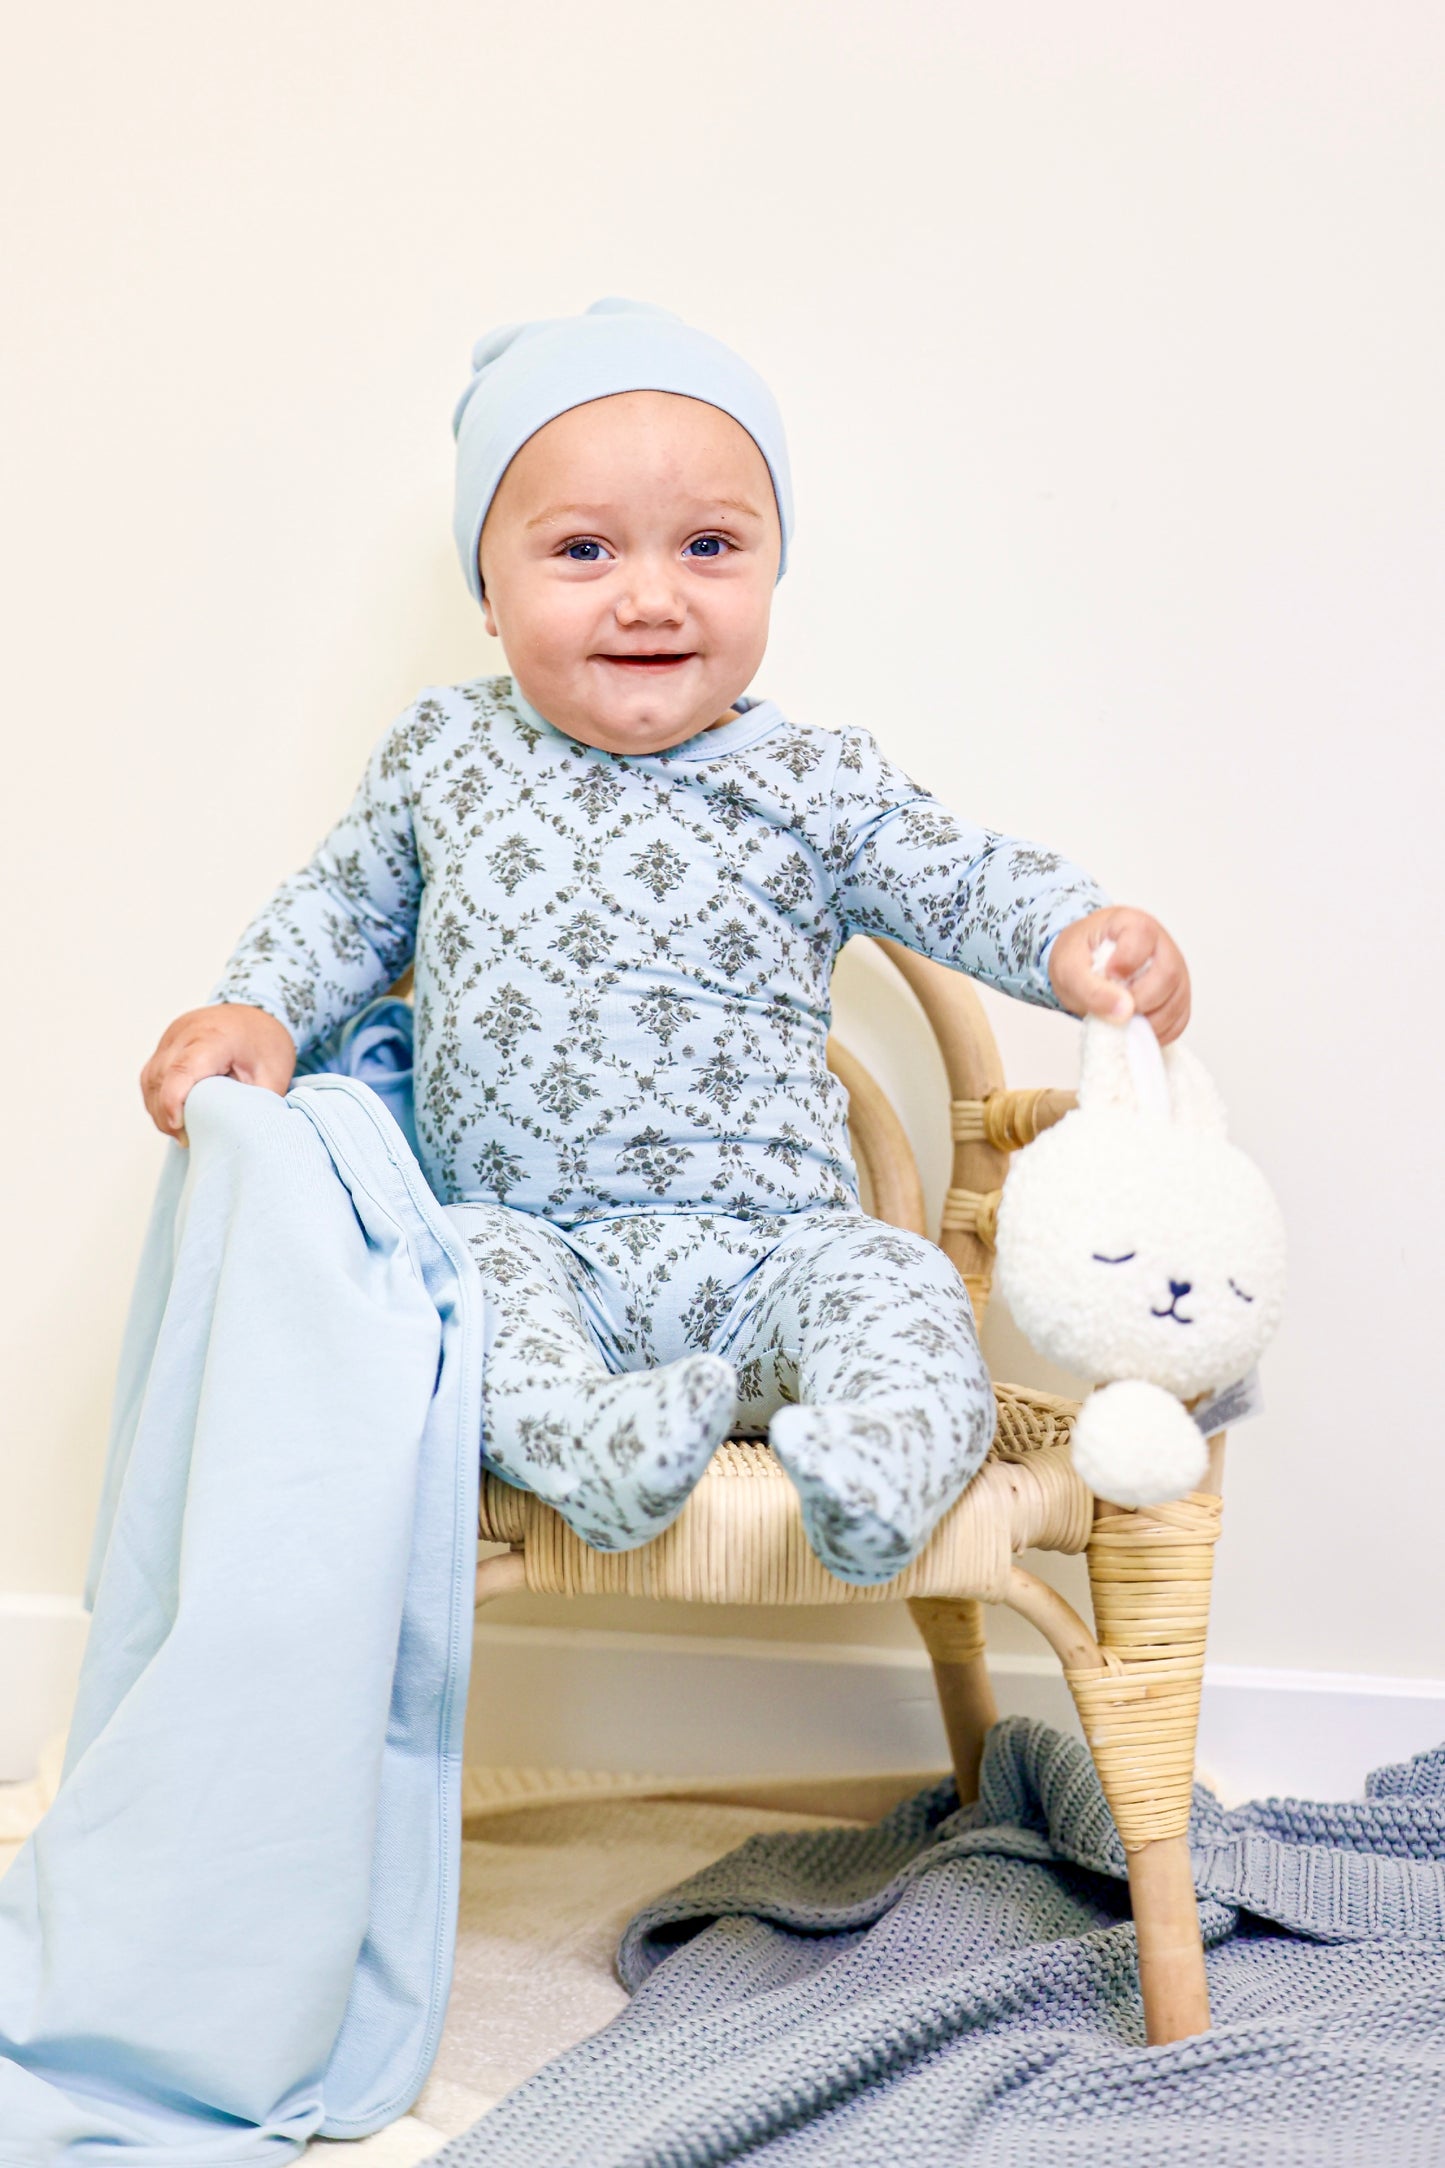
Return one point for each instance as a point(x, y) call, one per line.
point(623, 881)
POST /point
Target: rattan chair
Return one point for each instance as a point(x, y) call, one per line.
point(1135, 1678)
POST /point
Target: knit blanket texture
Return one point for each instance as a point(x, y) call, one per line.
point(956, 1988)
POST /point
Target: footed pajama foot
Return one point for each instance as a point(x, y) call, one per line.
point(619, 1461)
point(868, 1508)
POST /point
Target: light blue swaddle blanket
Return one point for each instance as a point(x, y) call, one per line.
point(234, 1929)
point(375, 1046)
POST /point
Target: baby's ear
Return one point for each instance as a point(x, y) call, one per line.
point(1193, 1093)
point(1106, 1078)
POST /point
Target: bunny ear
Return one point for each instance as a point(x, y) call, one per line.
point(1123, 1069)
point(1106, 1079)
point(1146, 1066)
point(1193, 1093)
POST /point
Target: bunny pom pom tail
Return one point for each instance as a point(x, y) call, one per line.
point(1135, 1445)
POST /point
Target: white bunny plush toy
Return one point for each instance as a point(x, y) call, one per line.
point(1139, 1248)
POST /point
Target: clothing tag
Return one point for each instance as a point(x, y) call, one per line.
point(1230, 1405)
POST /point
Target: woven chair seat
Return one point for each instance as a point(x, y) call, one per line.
point(739, 1538)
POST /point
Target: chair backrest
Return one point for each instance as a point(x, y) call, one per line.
point(986, 1120)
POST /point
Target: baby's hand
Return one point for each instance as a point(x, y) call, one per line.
point(1145, 972)
point(227, 1039)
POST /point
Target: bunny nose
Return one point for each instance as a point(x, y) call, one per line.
point(1179, 1287)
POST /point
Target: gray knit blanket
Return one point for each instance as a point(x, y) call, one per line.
point(957, 1987)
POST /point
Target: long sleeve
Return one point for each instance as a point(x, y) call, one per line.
point(344, 927)
point(908, 869)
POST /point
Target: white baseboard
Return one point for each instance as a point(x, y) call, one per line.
point(41, 1639)
point(546, 1697)
point(682, 1705)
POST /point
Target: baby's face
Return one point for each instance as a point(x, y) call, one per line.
point(632, 528)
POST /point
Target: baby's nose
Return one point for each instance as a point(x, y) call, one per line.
point(1179, 1287)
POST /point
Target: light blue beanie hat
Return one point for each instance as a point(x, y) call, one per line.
point(526, 374)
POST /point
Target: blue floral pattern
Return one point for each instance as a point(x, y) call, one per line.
point(620, 1352)
point(623, 964)
point(621, 1014)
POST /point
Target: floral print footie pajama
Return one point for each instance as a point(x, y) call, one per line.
point(622, 1004)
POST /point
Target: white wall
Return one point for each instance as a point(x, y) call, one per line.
point(1110, 346)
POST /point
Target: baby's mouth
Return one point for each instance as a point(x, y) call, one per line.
point(658, 662)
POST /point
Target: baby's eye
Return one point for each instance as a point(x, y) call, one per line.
point(711, 545)
point(1241, 1294)
point(1101, 1259)
point(583, 543)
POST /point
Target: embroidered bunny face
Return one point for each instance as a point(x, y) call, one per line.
point(1134, 1241)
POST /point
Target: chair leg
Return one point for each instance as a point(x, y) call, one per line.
point(952, 1630)
point(1166, 1929)
point(501, 1575)
point(1150, 1572)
